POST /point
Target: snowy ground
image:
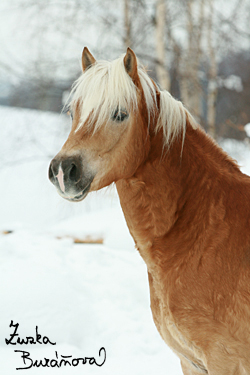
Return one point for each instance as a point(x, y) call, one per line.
point(83, 297)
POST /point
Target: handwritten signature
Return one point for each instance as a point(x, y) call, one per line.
point(63, 360)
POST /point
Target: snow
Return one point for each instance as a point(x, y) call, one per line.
point(247, 129)
point(81, 296)
point(232, 82)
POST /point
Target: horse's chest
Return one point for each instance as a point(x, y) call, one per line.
point(166, 324)
point(162, 317)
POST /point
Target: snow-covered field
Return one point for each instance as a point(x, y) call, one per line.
point(84, 297)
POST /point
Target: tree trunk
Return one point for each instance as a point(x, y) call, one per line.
point(127, 24)
point(161, 70)
point(191, 90)
point(212, 75)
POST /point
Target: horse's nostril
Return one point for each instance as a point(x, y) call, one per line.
point(73, 174)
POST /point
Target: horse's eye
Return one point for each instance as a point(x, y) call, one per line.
point(69, 113)
point(120, 115)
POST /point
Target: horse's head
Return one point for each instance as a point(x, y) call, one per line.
point(110, 106)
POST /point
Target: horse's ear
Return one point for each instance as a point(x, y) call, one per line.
point(130, 63)
point(87, 59)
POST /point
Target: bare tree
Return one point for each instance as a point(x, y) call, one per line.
point(190, 39)
point(127, 23)
point(191, 90)
point(160, 31)
point(212, 73)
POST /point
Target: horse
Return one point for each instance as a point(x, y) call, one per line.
point(185, 201)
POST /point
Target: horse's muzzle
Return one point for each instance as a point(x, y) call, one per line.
point(67, 174)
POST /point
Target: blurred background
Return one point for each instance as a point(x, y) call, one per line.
point(199, 50)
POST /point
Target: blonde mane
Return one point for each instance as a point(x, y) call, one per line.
point(105, 87)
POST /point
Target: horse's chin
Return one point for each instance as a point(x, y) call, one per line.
point(77, 197)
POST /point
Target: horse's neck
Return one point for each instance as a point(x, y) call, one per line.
point(150, 198)
point(149, 205)
point(170, 187)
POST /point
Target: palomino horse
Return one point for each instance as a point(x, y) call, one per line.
point(186, 204)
